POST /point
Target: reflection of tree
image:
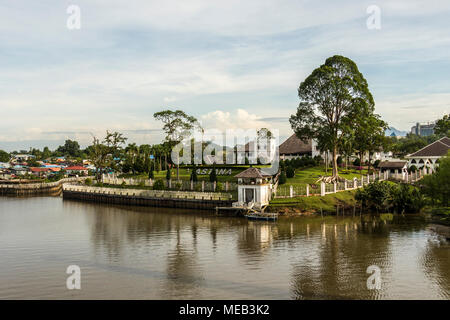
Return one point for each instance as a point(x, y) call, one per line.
point(337, 268)
point(436, 265)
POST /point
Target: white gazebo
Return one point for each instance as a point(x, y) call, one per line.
point(254, 188)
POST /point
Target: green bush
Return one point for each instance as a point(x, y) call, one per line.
point(282, 179)
point(290, 172)
point(88, 182)
point(357, 162)
point(198, 187)
point(219, 187)
point(178, 186)
point(159, 185)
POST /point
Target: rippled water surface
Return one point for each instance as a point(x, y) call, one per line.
point(155, 253)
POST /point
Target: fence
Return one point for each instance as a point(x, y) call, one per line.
point(322, 188)
point(162, 194)
point(181, 185)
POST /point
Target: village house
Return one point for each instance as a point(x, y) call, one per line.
point(19, 158)
point(394, 167)
point(77, 170)
point(39, 171)
point(429, 155)
point(19, 170)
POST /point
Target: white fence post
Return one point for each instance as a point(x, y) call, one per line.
point(322, 188)
point(334, 187)
point(291, 191)
point(307, 190)
point(203, 186)
point(345, 184)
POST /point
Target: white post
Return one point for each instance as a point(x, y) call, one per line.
point(226, 185)
point(345, 184)
point(192, 185)
point(307, 190)
point(334, 187)
point(355, 183)
point(374, 176)
point(368, 178)
point(322, 188)
point(203, 186)
point(214, 186)
point(291, 191)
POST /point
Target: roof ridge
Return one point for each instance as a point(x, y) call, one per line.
point(411, 154)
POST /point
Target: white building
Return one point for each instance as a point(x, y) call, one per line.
point(429, 155)
point(254, 188)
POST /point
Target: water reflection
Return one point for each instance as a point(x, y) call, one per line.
point(156, 253)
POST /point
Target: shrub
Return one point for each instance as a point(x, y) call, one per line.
point(357, 162)
point(339, 160)
point(290, 172)
point(375, 195)
point(376, 163)
point(159, 185)
point(99, 184)
point(168, 174)
point(178, 186)
point(151, 174)
point(282, 179)
point(88, 181)
point(219, 187)
point(141, 184)
point(194, 174)
point(198, 187)
point(213, 175)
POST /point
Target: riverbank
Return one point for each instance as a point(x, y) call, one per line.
point(340, 202)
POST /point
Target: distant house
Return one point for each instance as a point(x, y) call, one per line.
point(293, 147)
point(423, 130)
point(394, 167)
point(19, 170)
point(5, 174)
point(429, 155)
point(4, 165)
point(39, 171)
point(77, 170)
point(22, 157)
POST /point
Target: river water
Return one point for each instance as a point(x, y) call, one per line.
point(157, 253)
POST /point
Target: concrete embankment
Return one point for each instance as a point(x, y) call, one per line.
point(150, 198)
point(35, 189)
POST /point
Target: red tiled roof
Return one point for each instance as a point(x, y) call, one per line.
point(438, 148)
point(36, 169)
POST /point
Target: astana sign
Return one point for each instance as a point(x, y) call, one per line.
point(232, 146)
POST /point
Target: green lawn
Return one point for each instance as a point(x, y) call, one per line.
point(326, 203)
point(310, 175)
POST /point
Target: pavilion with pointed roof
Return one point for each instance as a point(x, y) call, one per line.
point(254, 188)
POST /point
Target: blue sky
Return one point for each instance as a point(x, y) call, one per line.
point(232, 64)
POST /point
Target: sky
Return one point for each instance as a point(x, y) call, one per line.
point(231, 64)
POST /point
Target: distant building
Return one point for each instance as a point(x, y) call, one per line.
point(394, 167)
point(77, 170)
point(423, 130)
point(429, 155)
point(293, 147)
point(22, 157)
point(254, 188)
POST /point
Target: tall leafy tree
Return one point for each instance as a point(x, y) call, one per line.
point(329, 99)
point(442, 127)
point(4, 156)
point(177, 126)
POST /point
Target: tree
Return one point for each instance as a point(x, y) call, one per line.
point(290, 172)
point(368, 133)
point(437, 185)
point(329, 99)
point(4, 156)
point(168, 174)
point(194, 174)
point(70, 148)
point(177, 126)
point(101, 154)
point(442, 128)
point(213, 174)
